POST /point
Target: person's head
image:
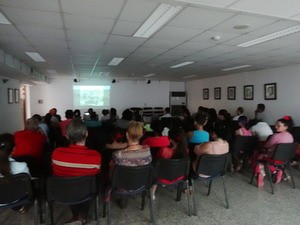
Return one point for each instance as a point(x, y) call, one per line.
point(53, 111)
point(32, 124)
point(260, 107)
point(127, 115)
point(200, 120)
point(117, 135)
point(93, 116)
point(178, 138)
point(242, 120)
point(6, 146)
point(105, 112)
point(90, 110)
point(223, 114)
point(76, 131)
point(47, 119)
point(38, 117)
point(239, 111)
point(134, 131)
point(284, 124)
point(200, 108)
point(69, 114)
point(185, 112)
point(167, 110)
point(77, 113)
point(212, 114)
point(113, 112)
point(157, 127)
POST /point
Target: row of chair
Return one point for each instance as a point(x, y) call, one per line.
point(124, 181)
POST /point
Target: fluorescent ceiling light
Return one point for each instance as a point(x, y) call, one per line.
point(104, 74)
point(35, 56)
point(115, 61)
point(149, 75)
point(236, 67)
point(270, 37)
point(3, 19)
point(162, 15)
point(190, 76)
point(181, 64)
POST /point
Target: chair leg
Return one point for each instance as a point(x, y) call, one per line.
point(35, 212)
point(179, 190)
point(188, 197)
point(51, 214)
point(292, 176)
point(47, 214)
point(143, 199)
point(270, 178)
point(108, 212)
point(194, 200)
point(225, 192)
point(97, 210)
point(152, 213)
point(209, 187)
point(104, 209)
point(253, 174)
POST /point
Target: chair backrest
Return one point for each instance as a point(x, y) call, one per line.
point(212, 165)
point(132, 177)
point(245, 144)
point(71, 190)
point(15, 190)
point(285, 152)
point(170, 169)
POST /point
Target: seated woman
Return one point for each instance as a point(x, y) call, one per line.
point(135, 154)
point(8, 166)
point(156, 140)
point(216, 147)
point(178, 149)
point(281, 136)
point(198, 136)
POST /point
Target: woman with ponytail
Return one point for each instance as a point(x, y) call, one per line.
point(9, 166)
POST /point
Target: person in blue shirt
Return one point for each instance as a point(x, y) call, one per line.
point(199, 135)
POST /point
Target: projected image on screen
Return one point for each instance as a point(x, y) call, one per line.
point(91, 96)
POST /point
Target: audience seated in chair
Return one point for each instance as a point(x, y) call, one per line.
point(76, 160)
point(156, 140)
point(198, 136)
point(123, 123)
point(63, 124)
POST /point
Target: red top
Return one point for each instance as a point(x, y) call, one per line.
point(156, 142)
point(165, 153)
point(63, 126)
point(75, 160)
point(29, 142)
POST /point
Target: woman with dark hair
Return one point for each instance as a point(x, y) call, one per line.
point(178, 149)
point(8, 166)
point(123, 123)
point(223, 126)
point(281, 136)
point(198, 136)
point(243, 127)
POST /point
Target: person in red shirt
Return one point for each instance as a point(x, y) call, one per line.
point(76, 160)
point(157, 140)
point(30, 142)
point(63, 124)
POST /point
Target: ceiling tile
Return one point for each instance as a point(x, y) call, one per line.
point(216, 3)
point(207, 36)
point(127, 41)
point(45, 5)
point(37, 32)
point(75, 35)
point(200, 18)
point(161, 43)
point(95, 8)
point(125, 28)
point(88, 24)
point(25, 17)
point(176, 33)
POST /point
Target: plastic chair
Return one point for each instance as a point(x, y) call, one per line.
point(128, 181)
point(71, 191)
point(171, 170)
point(212, 166)
point(16, 192)
point(284, 154)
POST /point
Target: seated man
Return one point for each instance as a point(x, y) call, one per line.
point(63, 124)
point(76, 160)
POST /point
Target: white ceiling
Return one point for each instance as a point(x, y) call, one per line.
point(79, 38)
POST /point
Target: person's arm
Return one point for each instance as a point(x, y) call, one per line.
point(271, 142)
point(238, 132)
point(189, 135)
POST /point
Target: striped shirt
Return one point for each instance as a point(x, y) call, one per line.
point(138, 157)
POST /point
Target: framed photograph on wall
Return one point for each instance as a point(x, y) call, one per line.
point(231, 93)
point(205, 93)
point(17, 96)
point(270, 91)
point(248, 92)
point(217, 93)
point(10, 95)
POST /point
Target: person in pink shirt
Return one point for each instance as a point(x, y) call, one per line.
point(63, 124)
point(281, 136)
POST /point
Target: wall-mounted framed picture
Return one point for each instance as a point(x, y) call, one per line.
point(217, 93)
point(231, 93)
point(205, 93)
point(248, 92)
point(17, 96)
point(10, 96)
point(270, 91)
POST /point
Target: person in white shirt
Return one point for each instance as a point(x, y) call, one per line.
point(262, 130)
point(239, 112)
point(167, 113)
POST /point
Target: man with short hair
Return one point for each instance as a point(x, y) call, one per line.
point(76, 160)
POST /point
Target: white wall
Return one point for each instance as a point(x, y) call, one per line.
point(11, 115)
point(124, 94)
point(288, 92)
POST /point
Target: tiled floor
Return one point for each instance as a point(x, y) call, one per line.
point(248, 206)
